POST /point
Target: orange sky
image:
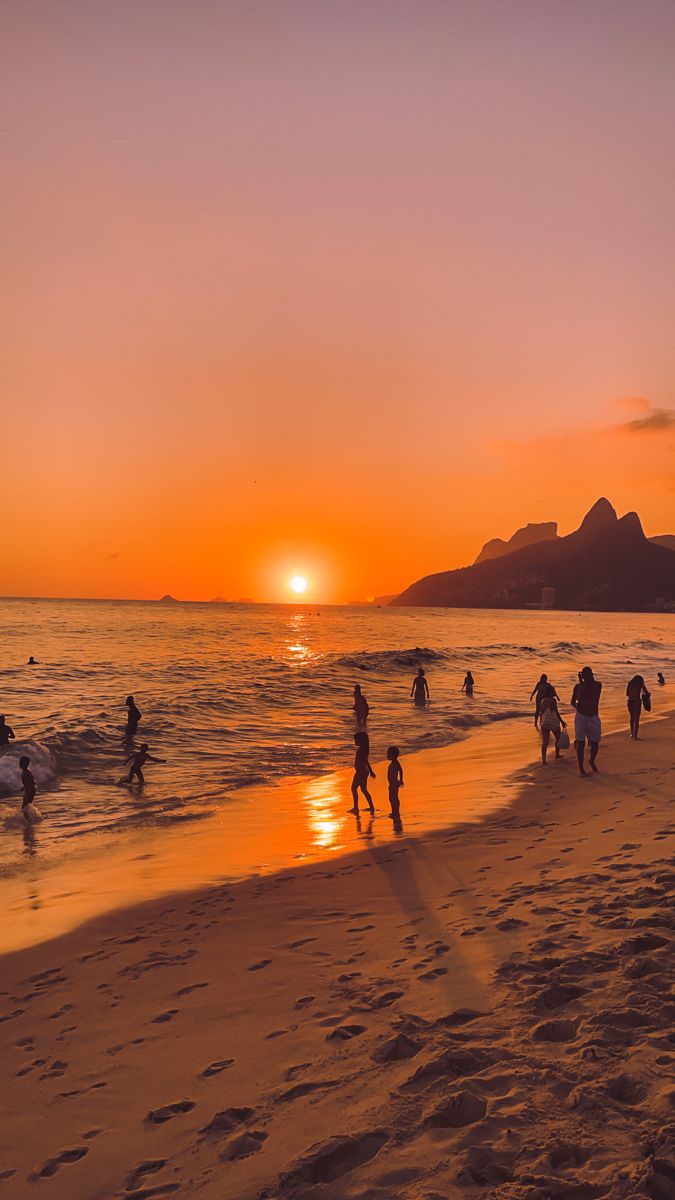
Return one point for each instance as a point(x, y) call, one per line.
point(341, 290)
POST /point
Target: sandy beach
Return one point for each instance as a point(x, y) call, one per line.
point(485, 1011)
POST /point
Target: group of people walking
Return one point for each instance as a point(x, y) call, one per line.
point(585, 700)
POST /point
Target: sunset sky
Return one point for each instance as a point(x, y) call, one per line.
point(330, 288)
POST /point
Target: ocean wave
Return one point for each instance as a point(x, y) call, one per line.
point(382, 659)
point(41, 764)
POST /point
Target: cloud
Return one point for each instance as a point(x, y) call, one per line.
point(656, 420)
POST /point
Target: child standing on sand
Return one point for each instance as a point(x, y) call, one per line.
point(362, 771)
point(138, 760)
point(395, 781)
point(28, 811)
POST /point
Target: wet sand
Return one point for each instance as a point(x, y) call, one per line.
point(484, 1011)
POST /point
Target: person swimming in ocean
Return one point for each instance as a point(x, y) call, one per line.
point(29, 789)
point(138, 760)
point(6, 732)
point(660, 678)
point(361, 706)
point(32, 662)
point(395, 781)
point(362, 771)
point(420, 688)
point(468, 684)
point(587, 726)
point(133, 715)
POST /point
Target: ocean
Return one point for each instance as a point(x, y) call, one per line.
point(239, 694)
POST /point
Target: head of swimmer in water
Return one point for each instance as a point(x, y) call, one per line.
point(24, 762)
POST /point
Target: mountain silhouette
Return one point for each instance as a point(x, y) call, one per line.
point(607, 564)
point(529, 535)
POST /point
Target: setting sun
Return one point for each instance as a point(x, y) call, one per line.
point(298, 584)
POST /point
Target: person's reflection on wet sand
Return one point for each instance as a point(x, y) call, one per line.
point(29, 839)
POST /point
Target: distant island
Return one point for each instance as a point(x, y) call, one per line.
point(607, 564)
point(168, 599)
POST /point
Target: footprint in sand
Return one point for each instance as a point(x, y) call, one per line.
point(227, 1120)
point(191, 987)
point(52, 1165)
point(215, 1068)
point(161, 1018)
point(259, 966)
point(158, 1116)
point(244, 1145)
point(139, 1173)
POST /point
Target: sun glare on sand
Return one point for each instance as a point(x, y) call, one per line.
point(298, 584)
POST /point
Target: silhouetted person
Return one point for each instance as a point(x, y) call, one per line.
point(6, 732)
point(362, 771)
point(587, 727)
point(133, 715)
point(361, 706)
point(635, 691)
point(660, 678)
point(395, 781)
point(551, 721)
point(468, 684)
point(138, 760)
point(31, 662)
point(420, 688)
point(29, 787)
point(537, 693)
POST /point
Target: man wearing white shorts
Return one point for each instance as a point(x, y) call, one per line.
point(587, 726)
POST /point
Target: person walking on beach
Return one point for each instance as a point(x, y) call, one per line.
point(6, 732)
point(133, 715)
point(29, 785)
point(636, 691)
point(362, 771)
point(138, 760)
point(395, 781)
point(420, 688)
point(468, 684)
point(587, 727)
point(551, 721)
point(361, 706)
point(537, 694)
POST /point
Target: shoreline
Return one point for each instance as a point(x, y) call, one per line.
point(483, 1006)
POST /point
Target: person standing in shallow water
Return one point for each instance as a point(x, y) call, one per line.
point(362, 771)
point(420, 688)
point(6, 732)
point(395, 782)
point(133, 715)
point(587, 727)
point(361, 706)
point(468, 684)
point(635, 691)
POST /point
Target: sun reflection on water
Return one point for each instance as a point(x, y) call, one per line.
point(322, 803)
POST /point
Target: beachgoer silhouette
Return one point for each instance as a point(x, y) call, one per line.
point(29, 787)
point(31, 662)
point(362, 771)
point(635, 690)
point(587, 726)
point(138, 760)
point(6, 731)
point(537, 694)
point(660, 678)
point(133, 715)
point(468, 684)
point(395, 781)
point(551, 720)
point(420, 688)
point(361, 706)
